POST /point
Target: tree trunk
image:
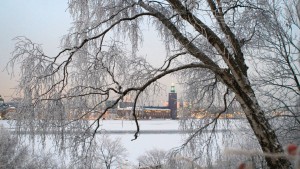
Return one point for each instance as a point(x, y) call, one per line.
point(262, 129)
point(235, 77)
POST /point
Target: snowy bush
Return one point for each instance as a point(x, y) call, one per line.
point(14, 155)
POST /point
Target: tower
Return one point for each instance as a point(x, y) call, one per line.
point(1, 99)
point(173, 102)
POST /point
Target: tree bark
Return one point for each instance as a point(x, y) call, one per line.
point(235, 78)
point(262, 129)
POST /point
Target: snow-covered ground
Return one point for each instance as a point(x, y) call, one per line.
point(145, 141)
point(144, 125)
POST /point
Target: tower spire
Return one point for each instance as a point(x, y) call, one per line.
point(173, 102)
point(173, 88)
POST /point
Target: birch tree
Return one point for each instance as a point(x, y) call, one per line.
point(99, 61)
point(277, 78)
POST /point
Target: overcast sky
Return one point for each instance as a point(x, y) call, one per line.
point(45, 22)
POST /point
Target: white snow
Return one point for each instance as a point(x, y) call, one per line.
point(144, 142)
point(144, 125)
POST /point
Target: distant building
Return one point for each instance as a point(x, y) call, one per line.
point(125, 104)
point(111, 104)
point(1, 100)
point(121, 104)
point(166, 104)
point(124, 109)
point(173, 102)
point(6, 110)
point(156, 112)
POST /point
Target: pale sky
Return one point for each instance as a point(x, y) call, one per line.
point(45, 22)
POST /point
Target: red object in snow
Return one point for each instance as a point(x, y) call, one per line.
point(292, 149)
point(242, 166)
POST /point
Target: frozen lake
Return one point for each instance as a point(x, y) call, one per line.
point(143, 143)
point(168, 137)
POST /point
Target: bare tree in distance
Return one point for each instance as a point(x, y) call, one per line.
point(153, 159)
point(104, 152)
point(156, 158)
point(211, 40)
point(111, 152)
